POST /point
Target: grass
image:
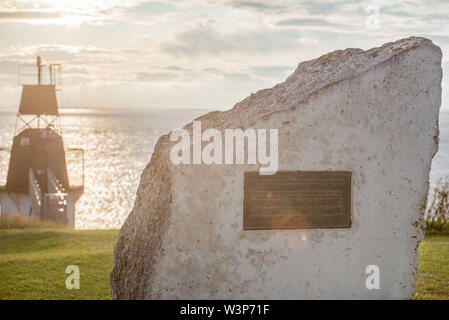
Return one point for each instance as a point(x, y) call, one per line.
point(432, 280)
point(18, 221)
point(34, 257)
point(33, 263)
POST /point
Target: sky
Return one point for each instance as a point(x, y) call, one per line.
point(138, 54)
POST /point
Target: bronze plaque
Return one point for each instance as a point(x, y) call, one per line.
point(297, 200)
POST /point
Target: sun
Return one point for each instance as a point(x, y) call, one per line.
point(72, 12)
point(66, 4)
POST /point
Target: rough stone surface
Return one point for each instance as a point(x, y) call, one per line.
point(373, 112)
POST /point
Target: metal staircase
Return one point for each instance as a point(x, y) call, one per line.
point(52, 205)
point(35, 194)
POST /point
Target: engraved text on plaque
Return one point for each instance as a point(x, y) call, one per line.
point(297, 200)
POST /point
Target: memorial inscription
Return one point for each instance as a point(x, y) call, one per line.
point(297, 200)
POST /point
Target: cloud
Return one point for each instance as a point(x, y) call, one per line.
point(76, 71)
point(8, 66)
point(30, 14)
point(250, 74)
point(308, 7)
point(350, 16)
point(176, 68)
point(264, 6)
point(305, 22)
point(260, 6)
point(209, 51)
point(67, 12)
point(206, 40)
point(155, 76)
point(308, 40)
point(79, 54)
point(273, 72)
point(81, 65)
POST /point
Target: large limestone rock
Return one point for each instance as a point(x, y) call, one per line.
point(374, 113)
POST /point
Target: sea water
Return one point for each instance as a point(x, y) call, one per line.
point(118, 146)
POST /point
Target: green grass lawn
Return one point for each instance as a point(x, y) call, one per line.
point(433, 267)
point(33, 263)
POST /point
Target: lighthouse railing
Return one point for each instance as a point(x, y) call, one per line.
point(55, 201)
point(35, 195)
point(54, 185)
point(5, 154)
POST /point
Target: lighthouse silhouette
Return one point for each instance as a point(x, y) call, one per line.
point(37, 183)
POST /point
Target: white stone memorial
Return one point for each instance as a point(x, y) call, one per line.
point(370, 115)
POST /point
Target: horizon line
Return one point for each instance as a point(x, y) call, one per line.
point(93, 110)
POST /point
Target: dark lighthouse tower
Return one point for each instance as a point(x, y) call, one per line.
point(37, 183)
